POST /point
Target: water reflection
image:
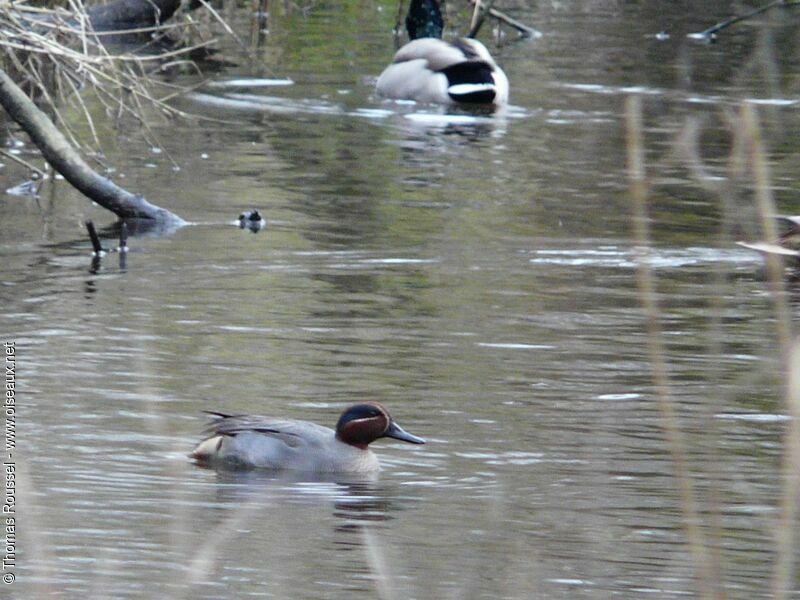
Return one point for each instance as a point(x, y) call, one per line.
point(429, 131)
point(349, 494)
point(276, 505)
point(415, 119)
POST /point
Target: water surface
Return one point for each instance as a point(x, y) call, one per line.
point(475, 273)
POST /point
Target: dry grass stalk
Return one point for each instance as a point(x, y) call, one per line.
point(709, 588)
point(790, 361)
point(747, 166)
point(58, 57)
point(782, 581)
point(378, 565)
point(765, 204)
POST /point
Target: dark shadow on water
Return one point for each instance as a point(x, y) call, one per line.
point(248, 476)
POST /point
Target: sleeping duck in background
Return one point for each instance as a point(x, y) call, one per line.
point(429, 69)
point(247, 441)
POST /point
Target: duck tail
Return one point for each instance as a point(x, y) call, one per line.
point(217, 415)
point(471, 82)
point(206, 450)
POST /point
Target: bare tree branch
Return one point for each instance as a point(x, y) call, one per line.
point(66, 160)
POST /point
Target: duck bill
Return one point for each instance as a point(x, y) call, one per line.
point(398, 433)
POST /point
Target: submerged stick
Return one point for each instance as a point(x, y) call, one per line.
point(123, 245)
point(657, 352)
point(96, 245)
point(123, 238)
point(711, 32)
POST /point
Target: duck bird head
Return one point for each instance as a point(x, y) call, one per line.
point(252, 220)
point(364, 423)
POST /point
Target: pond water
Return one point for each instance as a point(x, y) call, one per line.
point(475, 273)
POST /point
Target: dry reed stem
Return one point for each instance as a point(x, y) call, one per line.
point(73, 57)
point(765, 204)
point(789, 353)
point(37, 545)
point(784, 538)
point(205, 559)
point(23, 162)
point(378, 565)
point(687, 146)
point(222, 22)
point(647, 291)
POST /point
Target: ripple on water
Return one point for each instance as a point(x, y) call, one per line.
point(514, 346)
point(250, 82)
point(657, 258)
point(271, 104)
point(753, 417)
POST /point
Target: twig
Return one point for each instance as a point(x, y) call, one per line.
point(49, 49)
point(67, 28)
point(478, 16)
point(87, 117)
point(230, 31)
point(398, 23)
point(523, 29)
point(23, 162)
point(711, 32)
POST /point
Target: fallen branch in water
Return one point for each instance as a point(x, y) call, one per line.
point(710, 34)
point(67, 161)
